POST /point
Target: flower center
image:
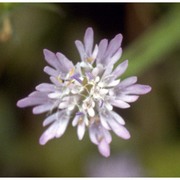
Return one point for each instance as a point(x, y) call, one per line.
point(82, 88)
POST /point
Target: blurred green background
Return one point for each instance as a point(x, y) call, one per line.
point(151, 43)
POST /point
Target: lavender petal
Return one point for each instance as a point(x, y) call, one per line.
point(119, 130)
point(115, 57)
point(45, 87)
point(51, 58)
point(102, 49)
point(50, 71)
point(104, 148)
point(114, 45)
point(65, 64)
point(48, 134)
point(42, 108)
point(25, 102)
point(55, 81)
point(104, 121)
point(138, 89)
point(107, 135)
point(81, 49)
point(128, 98)
point(120, 69)
point(117, 118)
point(81, 130)
point(88, 41)
point(119, 103)
point(62, 127)
point(93, 134)
point(128, 81)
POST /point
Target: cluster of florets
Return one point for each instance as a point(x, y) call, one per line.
point(84, 94)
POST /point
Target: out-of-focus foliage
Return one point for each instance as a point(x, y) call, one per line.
point(152, 46)
point(151, 43)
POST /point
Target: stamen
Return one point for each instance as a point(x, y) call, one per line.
point(69, 82)
point(90, 59)
point(59, 79)
point(86, 88)
point(71, 72)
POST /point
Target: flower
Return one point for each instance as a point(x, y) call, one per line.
point(84, 94)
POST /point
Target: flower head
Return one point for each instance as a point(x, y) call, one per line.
point(84, 94)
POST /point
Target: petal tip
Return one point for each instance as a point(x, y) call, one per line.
point(19, 103)
point(119, 37)
point(147, 89)
point(46, 52)
point(42, 141)
point(22, 103)
point(35, 111)
point(128, 136)
point(89, 30)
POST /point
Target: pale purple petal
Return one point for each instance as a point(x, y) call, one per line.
point(51, 58)
point(108, 116)
point(114, 45)
point(56, 129)
point(88, 41)
point(95, 52)
point(120, 69)
point(104, 120)
point(81, 130)
point(122, 132)
point(115, 57)
point(55, 81)
point(119, 130)
point(45, 87)
point(138, 89)
point(65, 64)
point(106, 73)
point(107, 135)
point(128, 98)
point(50, 71)
point(62, 127)
point(102, 49)
point(118, 118)
point(50, 119)
point(48, 134)
point(31, 100)
point(37, 94)
point(75, 120)
point(101, 138)
point(42, 108)
point(119, 103)
point(113, 83)
point(104, 148)
point(25, 102)
point(81, 49)
point(128, 81)
point(93, 134)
